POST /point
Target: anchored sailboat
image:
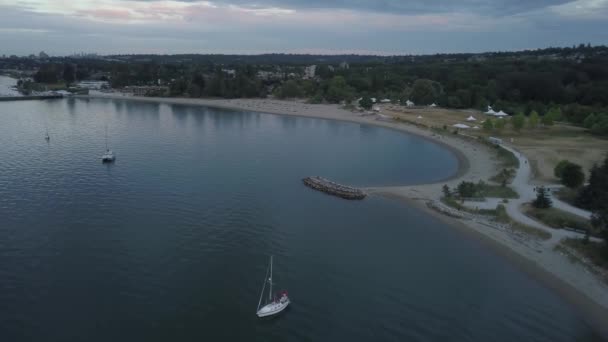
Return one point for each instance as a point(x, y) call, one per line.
point(274, 305)
point(107, 157)
point(47, 137)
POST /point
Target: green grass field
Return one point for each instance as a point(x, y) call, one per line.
point(556, 218)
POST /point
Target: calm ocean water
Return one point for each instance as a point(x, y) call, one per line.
point(171, 243)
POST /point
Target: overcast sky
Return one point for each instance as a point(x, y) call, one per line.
point(62, 27)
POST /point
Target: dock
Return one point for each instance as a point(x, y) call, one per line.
point(26, 98)
point(332, 188)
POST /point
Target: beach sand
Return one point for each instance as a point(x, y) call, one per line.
point(572, 281)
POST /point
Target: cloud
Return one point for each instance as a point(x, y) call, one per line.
point(583, 9)
point(238, 26)
point(483, 7)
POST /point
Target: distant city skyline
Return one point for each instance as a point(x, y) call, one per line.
point(295, 26)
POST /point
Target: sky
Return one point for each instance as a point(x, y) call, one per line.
point(382, 27)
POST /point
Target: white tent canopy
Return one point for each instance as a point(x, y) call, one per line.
point(471, 118)
point(432, 105)
point(419, 117)
point(461, 126)
point(501, 113)
point(490, 112)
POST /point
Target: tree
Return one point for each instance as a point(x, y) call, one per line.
point(46, 74)
point(338, 90)
point(446, 191)
point(518, 121)
point(69, 73)
point(425, 91)
point(199, 80)
point(178, 87)
point(467, 189)
point(599, 220)
point(289, 89)
point(596, 192)
point(572, 175)
point(542, 200)
point(548, 118)
point(589, 121)
point(366, 102)
point(500, 124)
point(601, 125)
point(194, 90)
point(488, 125)
point(559, 168)
point(533, 119)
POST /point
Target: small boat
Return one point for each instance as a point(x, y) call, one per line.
point(108, 156)
point(47, 137)
point(274, 305)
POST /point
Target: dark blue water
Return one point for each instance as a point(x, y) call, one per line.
point(171, 242)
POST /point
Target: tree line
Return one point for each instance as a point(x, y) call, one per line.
point(568, 84)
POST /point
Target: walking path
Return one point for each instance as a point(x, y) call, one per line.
point(559, 204)
point(522, 185)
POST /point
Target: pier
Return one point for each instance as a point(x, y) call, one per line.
point(332, 188)
point(34, 97)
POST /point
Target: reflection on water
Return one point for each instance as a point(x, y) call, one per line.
point(171, 242)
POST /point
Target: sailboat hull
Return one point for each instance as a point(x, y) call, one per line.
point(272, 308)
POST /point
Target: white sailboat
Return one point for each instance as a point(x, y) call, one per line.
point(47, 137)
point(274, 305)
point(108, 156)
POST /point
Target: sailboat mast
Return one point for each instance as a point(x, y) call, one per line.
point(270, 281)
point(106, 137)
point(263, 287)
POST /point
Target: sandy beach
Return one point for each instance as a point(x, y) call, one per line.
point(477, 162)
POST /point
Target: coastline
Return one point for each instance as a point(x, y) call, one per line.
point(305, 110)
point(570, 281)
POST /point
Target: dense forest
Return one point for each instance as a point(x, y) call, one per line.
point(570, 83)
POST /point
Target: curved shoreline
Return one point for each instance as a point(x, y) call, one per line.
point(475, 163)
point(344, 116)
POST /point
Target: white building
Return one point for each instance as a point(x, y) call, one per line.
point(229, 72)
point(93, 85)
point(409, 103)
point(309, 71)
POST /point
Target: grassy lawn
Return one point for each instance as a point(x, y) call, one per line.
point(556, 218)
point(505, 175)
point(540, 234)
point(500, 215)
point(507, 158)
point(454, 203)
point(544, 147)
point(595, 252)
point(567, 195)
point(488, 190)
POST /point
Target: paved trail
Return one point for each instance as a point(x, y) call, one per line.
point(522, 185)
